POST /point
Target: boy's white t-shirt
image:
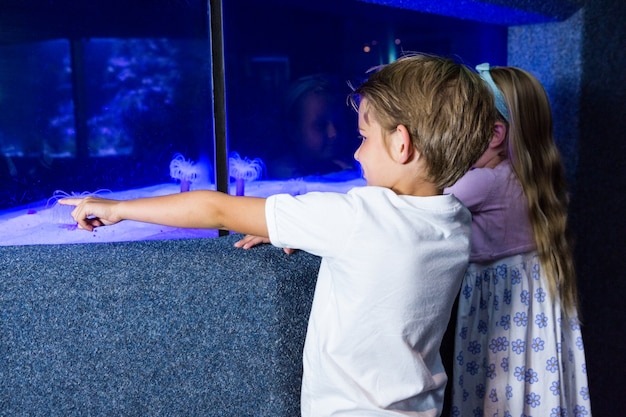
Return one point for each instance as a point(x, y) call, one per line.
point(391, 268)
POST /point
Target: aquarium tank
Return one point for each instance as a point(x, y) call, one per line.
point(115, 97)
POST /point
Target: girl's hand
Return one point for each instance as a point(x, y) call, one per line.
point(250, 241)
point(92, 212)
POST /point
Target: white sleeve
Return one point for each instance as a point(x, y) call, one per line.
point(319, 223)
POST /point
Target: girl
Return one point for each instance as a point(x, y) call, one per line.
point(518, 344)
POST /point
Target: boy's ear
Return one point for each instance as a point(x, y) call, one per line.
point(499, 135)
point(403, 145)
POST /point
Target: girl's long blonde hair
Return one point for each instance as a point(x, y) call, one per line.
point(537, 164)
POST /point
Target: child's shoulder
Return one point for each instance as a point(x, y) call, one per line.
point(382, 196)
point(475, 178)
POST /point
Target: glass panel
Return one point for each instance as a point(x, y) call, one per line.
point(114, 117)
point(144, 100)
point(134, 116)
point(277, 52)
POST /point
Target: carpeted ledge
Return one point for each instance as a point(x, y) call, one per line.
point(155, 328)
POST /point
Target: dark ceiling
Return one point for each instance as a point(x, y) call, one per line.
point(38, 20)
point(35, 20)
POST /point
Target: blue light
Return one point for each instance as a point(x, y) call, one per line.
point(527, 12)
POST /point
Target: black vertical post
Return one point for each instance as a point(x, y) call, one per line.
point(79, 96)
point(220, 142)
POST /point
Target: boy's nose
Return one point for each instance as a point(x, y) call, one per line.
point(356, 153)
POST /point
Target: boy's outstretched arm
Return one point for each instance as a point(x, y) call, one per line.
point(193, 209)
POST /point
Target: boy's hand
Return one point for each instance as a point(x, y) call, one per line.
point(250, 241)
point(92, 212)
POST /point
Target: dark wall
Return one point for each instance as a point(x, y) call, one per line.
point(599, 205)
point(581, 63)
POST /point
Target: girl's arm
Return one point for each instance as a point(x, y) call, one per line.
point(193, 209)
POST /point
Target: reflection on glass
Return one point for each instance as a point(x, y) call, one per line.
point(314, 130)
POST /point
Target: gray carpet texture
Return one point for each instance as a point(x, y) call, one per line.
point(155, 328)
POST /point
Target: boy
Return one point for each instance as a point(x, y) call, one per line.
point(393, 252)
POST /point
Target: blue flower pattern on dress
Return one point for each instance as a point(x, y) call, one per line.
point(518, 346)
point(525, 298)
point(533, 400)
point(472, 368)
point(474, 347)
point(516, 277)
point(584, 392)
point(464, 333)
point(499, 344)
point(482, 327)
point(521, 319)
point(541, 320)
point(505, 364)
point(580, 411)
point(552, 365)
point(480, 391)
point(467, 291)
point(537, 344)
point(530, 376)
point(579, 343)
point(514, 351)
point(536, 271)
point(540, 295)
point(493, 396)
point(507, 297)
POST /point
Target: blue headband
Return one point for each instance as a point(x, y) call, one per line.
point(483, 70)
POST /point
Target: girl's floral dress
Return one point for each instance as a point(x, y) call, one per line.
point(515, 355)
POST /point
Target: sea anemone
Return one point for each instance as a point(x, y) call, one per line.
point(63, 214)
point(243, 170)
point(183, 170)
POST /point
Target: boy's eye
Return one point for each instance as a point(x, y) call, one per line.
point(361, 137)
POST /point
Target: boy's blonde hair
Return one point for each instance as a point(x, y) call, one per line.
point(537, 164)
point(446, 107)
